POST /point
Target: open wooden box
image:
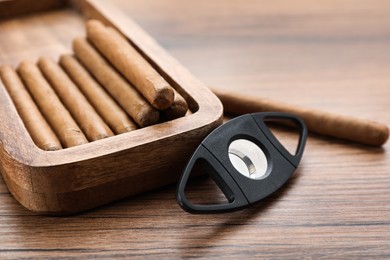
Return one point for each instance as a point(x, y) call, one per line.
point(89, 175)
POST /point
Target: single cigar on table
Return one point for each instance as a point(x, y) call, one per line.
point(131, 64)
point(51, 107)
point(317, 121)
point(178, 109)
point(39, 130)
point(129, 98)
point(84, 114)
point(108, 109)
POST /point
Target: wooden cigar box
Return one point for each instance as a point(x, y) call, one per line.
point(82, 177)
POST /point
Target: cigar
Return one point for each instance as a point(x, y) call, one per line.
point(51, 107)
point(321, 122)
point(131, 64)
point(39, 130)
point(86, 117)
point(178, 109)
point(136, 106)
point(107, 108)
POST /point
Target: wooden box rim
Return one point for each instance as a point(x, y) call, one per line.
point(82, 177)
point(208, 110)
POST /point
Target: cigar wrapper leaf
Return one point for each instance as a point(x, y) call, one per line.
point(320, 122)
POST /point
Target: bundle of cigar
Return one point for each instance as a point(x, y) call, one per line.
point(106, 88)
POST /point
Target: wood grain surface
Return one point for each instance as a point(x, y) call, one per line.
point(327, 54)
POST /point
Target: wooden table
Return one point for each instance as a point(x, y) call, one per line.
point(328, 54)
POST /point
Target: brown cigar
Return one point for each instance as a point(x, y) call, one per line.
point(115, 117)
point(178, 109)
point(317, 121)
point(129, 98)
point(39, 130)
point(51, 107)
point(131, 64)
point(84, 114)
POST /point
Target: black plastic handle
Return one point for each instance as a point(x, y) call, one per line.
point(241, 191)
point(260, 119)
point(221, 177)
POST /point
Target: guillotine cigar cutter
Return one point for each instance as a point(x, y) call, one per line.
point(246, 161)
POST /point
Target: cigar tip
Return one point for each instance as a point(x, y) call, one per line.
point(182, 103)
point(5, 67)
point(384, 135)
point(164, 98)
point(148, 117)
point(93, 23)
point(24, 65)
point(127, 129)
point(51, 148)
point(178, 109)
point(130, 128)
point(101, 136)
point(44, 59)
point(65, 57)
point(25, 62)
point(77, 40)
point(173, 113)
point(78, 43)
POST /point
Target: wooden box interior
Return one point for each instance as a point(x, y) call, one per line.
point(89, 175)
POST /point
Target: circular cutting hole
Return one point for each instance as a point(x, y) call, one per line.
point(248, 159)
